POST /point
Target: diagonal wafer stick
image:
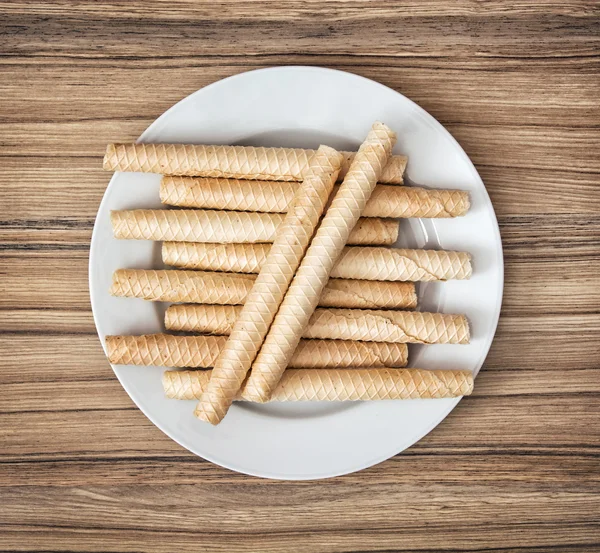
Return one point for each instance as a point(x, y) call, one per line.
point(233, 289)
point(339, 384)
point(228, 226)
point(355, 262)
point(312, 276)
point(274, 197)
point(264, 299)
point(412, 327)
point(238, 162)
point(201, 352)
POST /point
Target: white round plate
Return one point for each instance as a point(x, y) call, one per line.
point(305, 107)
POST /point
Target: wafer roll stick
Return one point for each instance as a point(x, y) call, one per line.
point(263, 301)
point(274, 197)
point(238, 162)
point(402, 327)
point(233, 289)
point(389, 326)
point(206, 319)
point(347, 353)
point(312, 276)
point(228, 226)
point(339, 384)
point(164, 350)
point(195, 225)
point(239, 195)
point(403, 202)
point(237, 258)
point(167, 350)
point(182, 286)
point(355, 262)
point(365, 294)
point(371, 230)
point(402, 264)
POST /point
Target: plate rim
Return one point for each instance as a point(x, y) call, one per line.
point(155, 126)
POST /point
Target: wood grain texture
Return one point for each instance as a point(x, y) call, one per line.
point(515, 468)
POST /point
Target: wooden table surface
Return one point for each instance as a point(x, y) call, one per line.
point(514, 468)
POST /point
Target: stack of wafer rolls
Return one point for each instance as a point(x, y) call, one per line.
point(355, 262)
point(238, 162)
point(167, 350)
point(245, 287)
point(409, 327)
point(228, 226)
point(275, 197)
point(233, 289)
point(338, 384)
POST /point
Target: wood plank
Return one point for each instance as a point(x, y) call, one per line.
point(343, 32)
point(520, 191)
point(478, 424)
point(52, 357)
point(55, 321)
point(554, 342)
point(537, 97)
point(525, 146)
point(355, 63)
point(529, 147)
point(55, 188)
point(526, 238)
point(43, 388)
point(303, 510)
point(542, 472)
point(27, 279)
point(535, 283)
point(38, 188)
point(572, 537)
point(512, 347)
point(181, 9)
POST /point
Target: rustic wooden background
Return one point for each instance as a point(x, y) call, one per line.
point(514, 468)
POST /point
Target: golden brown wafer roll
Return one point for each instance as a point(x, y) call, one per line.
point(167, 350)
point(339, 384)
point(403, 202)
point(233, 289)
point(389, 326)
point(313, 354)
point(195, 225)
point(355, 262)
point(403, 327)
point(237, 258)
point(182, 286)
point(305, 290)
point(164, 350)
point(236, 194)
point(263, 301)
point(374, 231)
point(228, 226)
point(274, 197)
point(402, 264)
point(238, 162)
point(206, 319)
point(364, 294)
